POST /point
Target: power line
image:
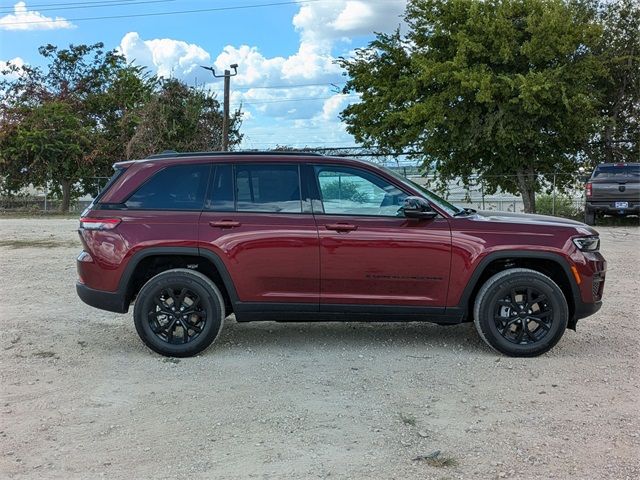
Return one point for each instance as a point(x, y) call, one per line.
point(177, 12)
point(113, 3)
point(302, 99)
point(291, 86)
point(70, 3)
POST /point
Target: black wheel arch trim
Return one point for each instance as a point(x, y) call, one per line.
point(579, 306)
point(134, 261)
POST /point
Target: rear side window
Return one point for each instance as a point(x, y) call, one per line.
point(268, 188)
point(111, 181)
point(181, 187)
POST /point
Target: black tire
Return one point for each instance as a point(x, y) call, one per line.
point(170, 331)
point(590, 217)
point(521, 312)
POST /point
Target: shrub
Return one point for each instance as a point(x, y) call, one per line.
point(564, 206)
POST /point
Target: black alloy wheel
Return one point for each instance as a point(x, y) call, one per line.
point(520, 312)
point(179, 312)
point(524, 316)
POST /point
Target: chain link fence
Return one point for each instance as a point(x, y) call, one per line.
point(43, 200)
point(561, 194)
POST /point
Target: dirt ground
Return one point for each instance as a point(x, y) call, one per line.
point(81, 397)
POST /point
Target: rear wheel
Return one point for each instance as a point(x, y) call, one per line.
point(590, 217)
point(179, 313)
point(521, 312)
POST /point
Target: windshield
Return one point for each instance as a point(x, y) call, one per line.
point(450, 208)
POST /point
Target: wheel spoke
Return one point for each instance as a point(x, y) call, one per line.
point(514, 296)
point(520, 334)
point(544, 325)
point(529, 299)
point(183, 293)
point(538, 299)
point(541, 315)
point(530, 334)
point(185, 331)
point(159, 303)
point(507, 303)
point(193, 326)
point(169, 329)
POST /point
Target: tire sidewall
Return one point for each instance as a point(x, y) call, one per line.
point(498, 289)
point(211, 300)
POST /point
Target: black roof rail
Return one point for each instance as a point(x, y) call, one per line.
point(174, 154)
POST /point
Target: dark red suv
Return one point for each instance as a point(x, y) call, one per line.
point(194, 238)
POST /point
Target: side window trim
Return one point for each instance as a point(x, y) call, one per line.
point(317, 168)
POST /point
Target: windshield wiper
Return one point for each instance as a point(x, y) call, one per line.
point(465, 211)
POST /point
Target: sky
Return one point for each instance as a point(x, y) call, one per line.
point(287, 82)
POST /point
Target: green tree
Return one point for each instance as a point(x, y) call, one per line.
point(182, 118)
point(52, 144)
point(505, 89)
point(90, 95)
point(618, 135)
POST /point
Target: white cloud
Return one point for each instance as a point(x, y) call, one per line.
point(323, 23)
point(4, 66)
point(296, 116)
point(24, 19)
point(166, 57)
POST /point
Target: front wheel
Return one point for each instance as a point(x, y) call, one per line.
point(179, 313)
point(521, 312)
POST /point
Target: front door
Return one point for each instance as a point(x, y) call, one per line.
point(369, 253)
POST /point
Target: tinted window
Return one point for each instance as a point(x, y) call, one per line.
point(268, 188)
point(346, 191)
point(613, 171)
point(220, 196)
point(180, 187)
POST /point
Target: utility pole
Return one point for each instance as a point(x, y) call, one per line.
point(225, 120)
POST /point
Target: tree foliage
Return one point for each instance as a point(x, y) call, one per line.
point(618, 136)
point(182, 118)
point(506, 89)
point(59, 123)
point(66, 123)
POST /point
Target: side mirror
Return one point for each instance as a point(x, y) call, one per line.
point(417, 207)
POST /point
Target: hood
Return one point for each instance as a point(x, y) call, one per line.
point(533, 219)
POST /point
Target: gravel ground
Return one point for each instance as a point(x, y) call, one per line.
point(81, 397)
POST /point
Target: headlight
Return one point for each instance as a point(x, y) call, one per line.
point(587, 244)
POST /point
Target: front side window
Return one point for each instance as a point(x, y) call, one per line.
point(347, 191)
point(268, 188)
point(180, 187)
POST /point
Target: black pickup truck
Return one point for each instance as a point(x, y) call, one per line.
point(613, 189)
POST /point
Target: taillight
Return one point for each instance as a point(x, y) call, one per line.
point(589, 189)
point(99, 223)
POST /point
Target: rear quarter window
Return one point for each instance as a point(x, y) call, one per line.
point(179, 187)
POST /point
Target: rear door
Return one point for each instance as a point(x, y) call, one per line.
point(369, 253)
point(258, 221)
